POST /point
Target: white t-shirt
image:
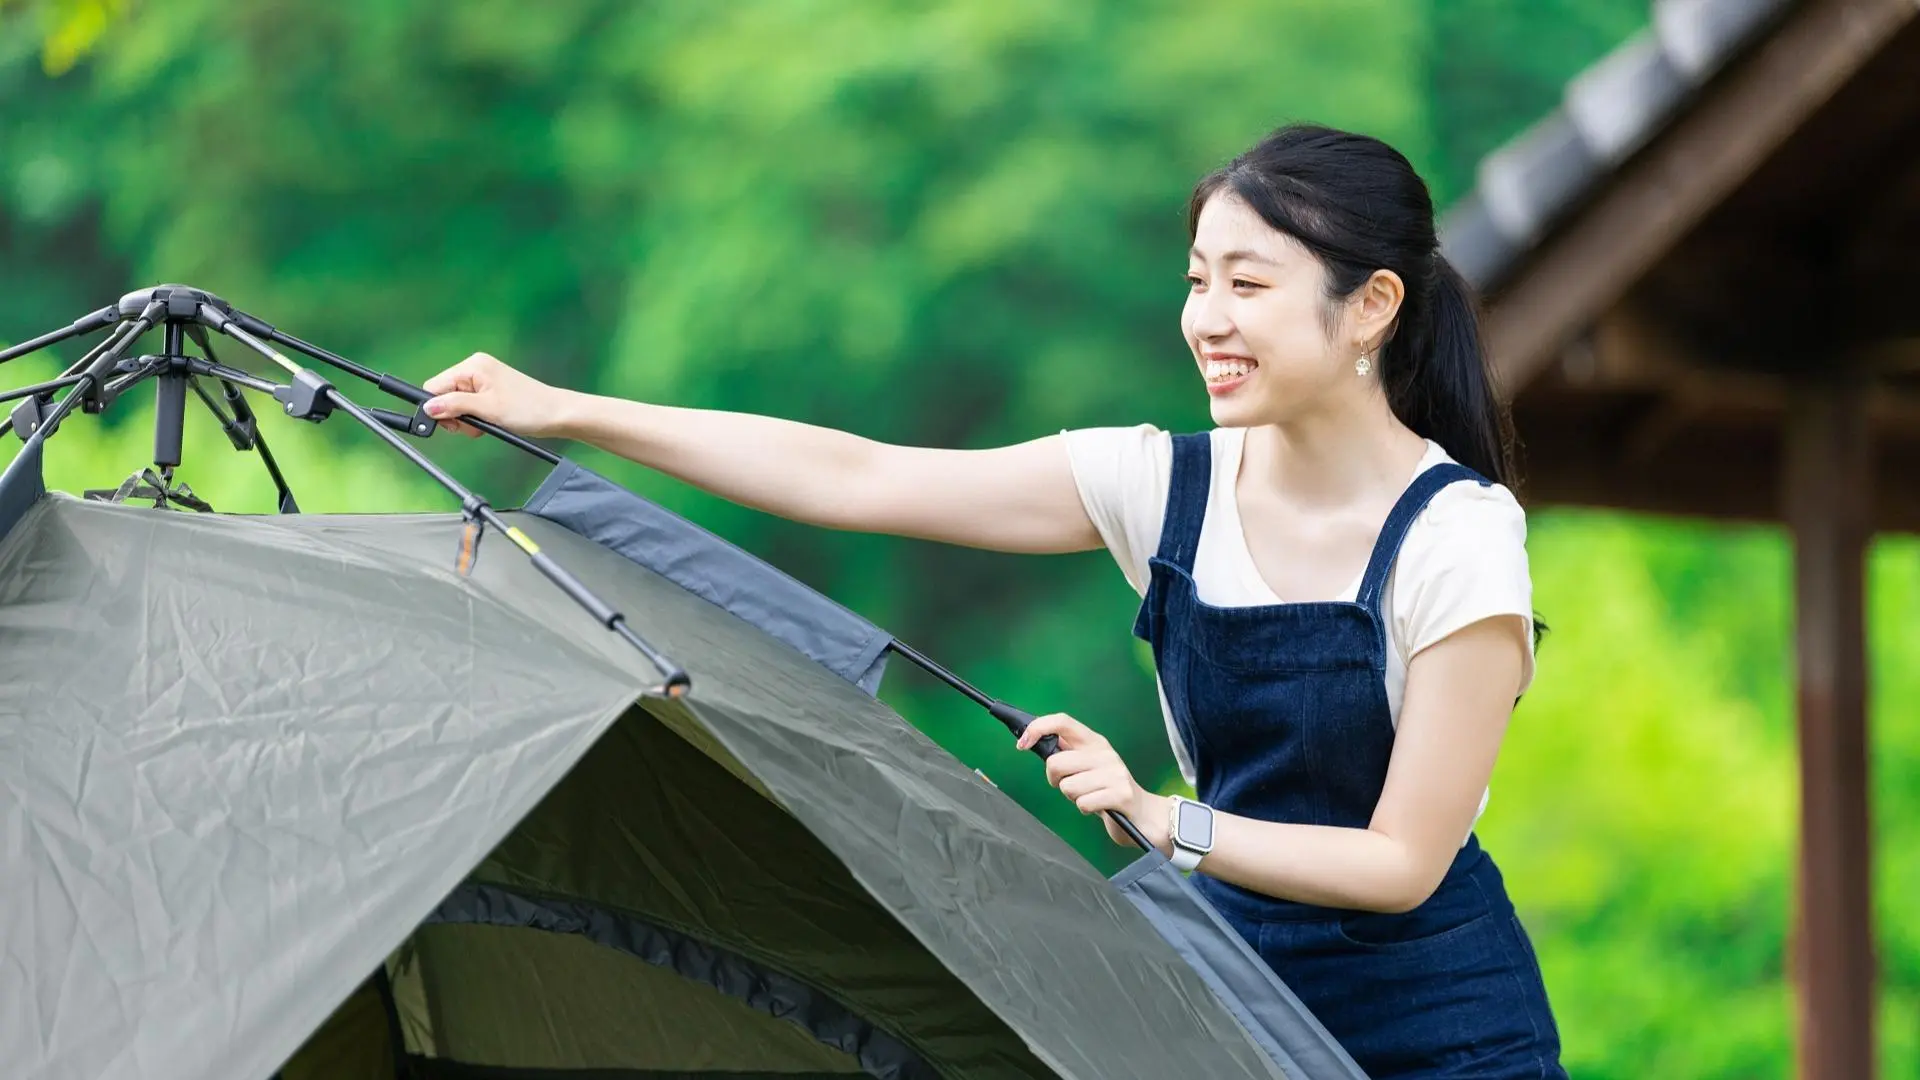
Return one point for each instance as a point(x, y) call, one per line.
point(1464, 558)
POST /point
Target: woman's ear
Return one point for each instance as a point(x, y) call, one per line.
point(1374, 306)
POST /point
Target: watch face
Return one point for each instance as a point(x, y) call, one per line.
point(1194, 826)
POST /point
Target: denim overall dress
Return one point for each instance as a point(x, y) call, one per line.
point(1283, 710)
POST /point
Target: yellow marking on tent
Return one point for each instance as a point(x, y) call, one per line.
point(526, 543)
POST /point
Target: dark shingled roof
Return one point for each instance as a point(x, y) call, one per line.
point(1609, 111)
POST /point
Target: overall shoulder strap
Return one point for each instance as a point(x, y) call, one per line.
point(1192, 477)
point(1400, 519)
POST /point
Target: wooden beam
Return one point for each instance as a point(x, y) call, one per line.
point(1575, 450)
point(1572, 460)
point(1681, 176)
point(1626, 351)
point(1633, 351)
point(1896, 354)
point(1827, 496)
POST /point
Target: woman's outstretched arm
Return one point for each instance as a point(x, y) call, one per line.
point(1018, 498)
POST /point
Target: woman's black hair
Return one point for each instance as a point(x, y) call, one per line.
point(1359, 206)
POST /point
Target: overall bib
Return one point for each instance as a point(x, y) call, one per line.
point(1283, 710)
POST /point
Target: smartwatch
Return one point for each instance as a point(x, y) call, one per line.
point(1190, 826)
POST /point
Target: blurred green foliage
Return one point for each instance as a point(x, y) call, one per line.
point(953, 224)
point(66, 29)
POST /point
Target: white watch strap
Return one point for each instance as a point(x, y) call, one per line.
point(1185, 859)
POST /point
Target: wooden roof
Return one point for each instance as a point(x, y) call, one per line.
point(1725, 212)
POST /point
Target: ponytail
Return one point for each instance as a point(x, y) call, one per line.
point(1439, 384)
point(1436, 377)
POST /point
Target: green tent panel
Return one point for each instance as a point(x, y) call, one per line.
point(289, 794)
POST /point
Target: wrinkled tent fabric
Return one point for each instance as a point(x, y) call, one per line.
point(245, 762)
point(594, 506)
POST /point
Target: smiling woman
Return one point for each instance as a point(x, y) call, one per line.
point(1335, 585)
point(1334, 582)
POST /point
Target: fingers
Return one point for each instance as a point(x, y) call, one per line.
point(452, 403)
point(464, 375)
point(1086, 769)
point(1072, 733)
point(1067, 763)
point(449, 406)
point(456, 393)
point(1104, 800)
point(1099, 790)
point(482, 388)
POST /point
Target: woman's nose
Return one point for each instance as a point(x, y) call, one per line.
point(1210, 318)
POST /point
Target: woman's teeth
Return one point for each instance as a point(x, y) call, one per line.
point(1222, 370)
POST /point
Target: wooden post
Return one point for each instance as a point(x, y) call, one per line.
point(1828, 493)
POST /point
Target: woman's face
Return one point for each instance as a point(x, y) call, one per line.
point(1253, 318)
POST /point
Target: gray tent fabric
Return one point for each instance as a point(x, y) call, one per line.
point(244, 759)
point(592, 506)
point(21, 485)
point(239, 760)
point(1271, 1013)
point(1277, 1020)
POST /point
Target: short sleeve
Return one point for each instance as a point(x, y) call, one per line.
point(1464, 560)
point(1122, 475)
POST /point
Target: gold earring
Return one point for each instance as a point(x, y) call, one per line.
point(1363, 366)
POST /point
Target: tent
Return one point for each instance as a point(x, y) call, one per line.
point(309, 795)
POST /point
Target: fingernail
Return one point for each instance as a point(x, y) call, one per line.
point(434, 408)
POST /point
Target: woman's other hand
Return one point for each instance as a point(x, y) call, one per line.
point(1088, 770)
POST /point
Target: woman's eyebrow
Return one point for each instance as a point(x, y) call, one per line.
point(1236, 255)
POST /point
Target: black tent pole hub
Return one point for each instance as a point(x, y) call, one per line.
point(30, 420)
point(307, 396)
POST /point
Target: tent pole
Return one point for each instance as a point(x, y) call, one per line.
point(98, 320)
point(310, 396)
point(90, 380)
point(244, 428)
point(39, 389)
point(28, 416)
point(1016, 721)
point(105, 378)
point(399, 388)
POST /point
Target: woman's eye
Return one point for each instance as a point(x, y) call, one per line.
point(1243, 283)
point(1193, 281)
